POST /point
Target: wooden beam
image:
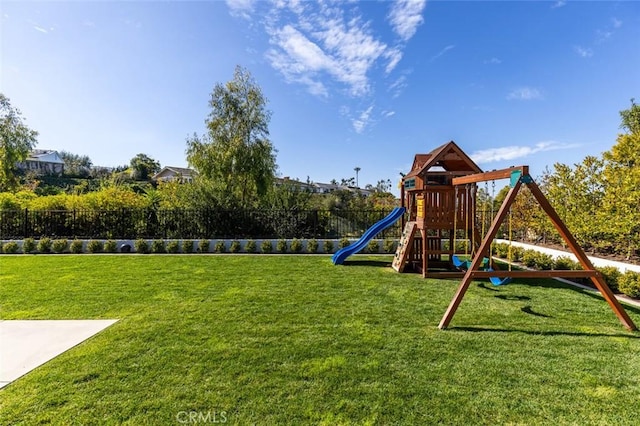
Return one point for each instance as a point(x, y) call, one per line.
point(492, 175)
point(535, 274)
point(444, 274)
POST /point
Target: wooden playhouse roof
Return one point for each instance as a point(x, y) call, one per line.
point(448, 156)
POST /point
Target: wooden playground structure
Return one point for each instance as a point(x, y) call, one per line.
point(439, 194)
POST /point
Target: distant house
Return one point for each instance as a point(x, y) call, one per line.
point(320, 188)
point(43, 162)
point(170, 173)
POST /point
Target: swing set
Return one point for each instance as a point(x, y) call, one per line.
point(519, 176)
point(440, 196)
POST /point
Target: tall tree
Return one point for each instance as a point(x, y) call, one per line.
point(622, 182)
point(76, 165)
point(236, 154)
point(143, 167)
point(631, 118)
point(16, 141)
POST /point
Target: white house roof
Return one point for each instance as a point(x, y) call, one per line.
point(175, 171)
point(45, 156)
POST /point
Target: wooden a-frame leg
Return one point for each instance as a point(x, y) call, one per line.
point(600, 284)
point(477, 259)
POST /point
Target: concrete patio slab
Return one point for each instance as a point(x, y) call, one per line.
point(27, 344)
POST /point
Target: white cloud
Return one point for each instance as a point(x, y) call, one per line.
point(398, 86)
point(240, 8)
point(558, 4)
point(583, 52)
point(329, 45)
point(524, 94)
point(443, 51)
point(387, 114)
point(493, 61)
point(616, 22)
point(512, 152)
point(394, 56)
point(406, 16)
point(360, 123)
point(42, 30)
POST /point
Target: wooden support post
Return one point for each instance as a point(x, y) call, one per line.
point(477, 259)
point(582, 257)
point(425, 253)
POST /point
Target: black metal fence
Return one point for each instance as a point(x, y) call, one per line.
point(190, 224)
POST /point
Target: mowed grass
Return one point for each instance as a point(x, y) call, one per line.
point(295, 340)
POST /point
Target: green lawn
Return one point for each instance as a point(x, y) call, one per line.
point(295, 340)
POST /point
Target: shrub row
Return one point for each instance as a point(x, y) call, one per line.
point(142, 246)
point(627, 283)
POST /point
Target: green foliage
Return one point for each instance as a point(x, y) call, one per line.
point(389, 245)
point(502, 250)
point(543, 261)
point(75, 165)
point(203, 246)
point(173, 246)
point(110, 246)
point(157, 246)
point(516, 253)
point(266, 246)
point(631, 118)
point(250, 246)
point(187, 246)
point(373, 246)
point(344, 242)
point(143, 167)
point(529, 258)
point(611, 276)
point(76, 246)
point(59, 246)
point(564, 263)
point(28, 245)
point(281, 246)
point(296, 246)
point(328, 246)
point(10, 247)
point(44, 245)
point(16, 141)
point(236, 156)
point(95, 246)
point(235, 247)
point(288, 196)
point(312, 246)
point(629, 284)
point(220, 247)
point(141, 246)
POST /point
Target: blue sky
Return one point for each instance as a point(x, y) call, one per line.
point(366, 84)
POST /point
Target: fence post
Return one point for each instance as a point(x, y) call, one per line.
point(25, 229)
point(315, 223)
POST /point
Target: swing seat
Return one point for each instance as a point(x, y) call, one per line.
point(465, 264)
point(459, 263)
point(497, 281)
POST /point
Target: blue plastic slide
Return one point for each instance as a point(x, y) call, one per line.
point(340, 256)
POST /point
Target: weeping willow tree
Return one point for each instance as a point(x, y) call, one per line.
point(16, 140)
point(235, 158)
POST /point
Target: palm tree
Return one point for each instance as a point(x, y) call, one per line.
point(357, 169)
